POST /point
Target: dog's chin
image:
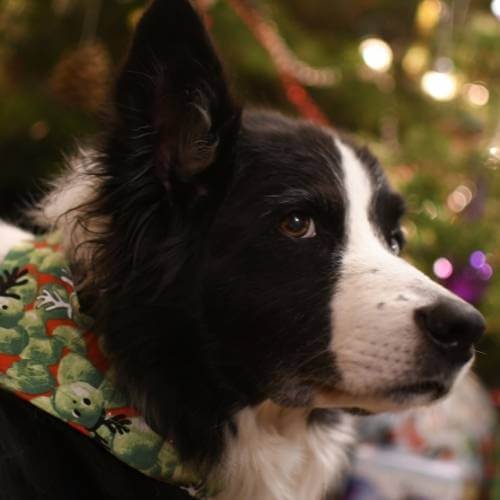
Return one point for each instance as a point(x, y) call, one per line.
point(390, 399)
point(425, 389)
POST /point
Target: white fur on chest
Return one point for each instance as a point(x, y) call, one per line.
point(280, 457)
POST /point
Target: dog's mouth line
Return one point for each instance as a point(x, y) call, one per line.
point(417, 388)
point(382, 400)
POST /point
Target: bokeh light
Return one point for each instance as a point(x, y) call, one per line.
point(428, 14)
point(486, 272)
point(440, 85)
point(495, 8)
point(376, 54)
point(415, 59)
point(430, 209)
point(494, 152)
point(443, 268)
point(459, 199)
point(477, 94)
point(477, 259)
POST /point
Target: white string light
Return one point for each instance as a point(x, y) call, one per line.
point(494, 152)
point(441, 82)
point(495, 8)
point(440, 85)
point(494, 147)
point(376, 54)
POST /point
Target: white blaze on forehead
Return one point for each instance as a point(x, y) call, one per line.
point(375, 340)
point(365, 249)
point(359, 194)
point(363, 245)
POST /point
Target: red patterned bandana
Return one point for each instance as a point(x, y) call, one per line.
point(50, 357)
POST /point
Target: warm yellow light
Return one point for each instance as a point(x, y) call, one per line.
point(477, 94)
point(440, 85)
point(415, 59)
point(376, 54)
point(494, 152)
point(428, 14)
point(495, 8)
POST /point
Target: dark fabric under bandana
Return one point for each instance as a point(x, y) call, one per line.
point(50, 357)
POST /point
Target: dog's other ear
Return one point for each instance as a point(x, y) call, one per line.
point(173, 107)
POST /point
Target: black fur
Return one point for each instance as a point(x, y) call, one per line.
point(181, 276)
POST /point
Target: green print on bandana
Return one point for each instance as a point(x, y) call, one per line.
point(50, 357)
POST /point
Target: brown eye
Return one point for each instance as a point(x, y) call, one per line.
point(298, 225)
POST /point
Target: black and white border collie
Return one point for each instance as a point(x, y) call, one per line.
point(243, 271)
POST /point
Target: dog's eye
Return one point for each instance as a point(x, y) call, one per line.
point(298, 225)
point(396, 242)
point(395, 249)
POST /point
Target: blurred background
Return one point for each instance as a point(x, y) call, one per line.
point(417, 80)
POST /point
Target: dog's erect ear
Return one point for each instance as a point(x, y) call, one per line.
point(173, 106)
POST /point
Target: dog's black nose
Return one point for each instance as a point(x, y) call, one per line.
point(452, 325)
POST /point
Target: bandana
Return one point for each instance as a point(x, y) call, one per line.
point(50, 358)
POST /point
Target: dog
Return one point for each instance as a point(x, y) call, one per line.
point(243, 273)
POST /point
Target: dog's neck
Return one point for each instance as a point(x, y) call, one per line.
point(287, 454)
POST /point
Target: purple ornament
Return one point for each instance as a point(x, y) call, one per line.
point(471, 281)
point(477, 259)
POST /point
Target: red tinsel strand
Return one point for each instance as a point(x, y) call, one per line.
point(302, 100)
point(297, 95)
point(284, 58)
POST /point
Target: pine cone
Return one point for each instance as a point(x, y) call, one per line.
point(81, 77)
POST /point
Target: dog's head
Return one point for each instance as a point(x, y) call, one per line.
point(304, 286)
point(271, 244)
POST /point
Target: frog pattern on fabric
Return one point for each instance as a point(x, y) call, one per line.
point(50, 357)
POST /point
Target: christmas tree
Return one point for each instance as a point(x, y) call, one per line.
point(416, 80)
